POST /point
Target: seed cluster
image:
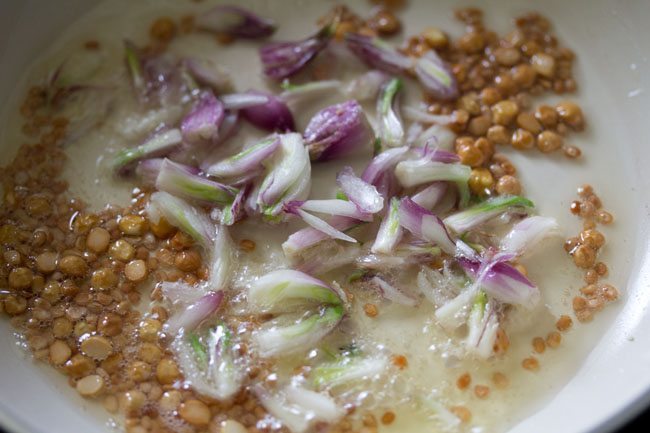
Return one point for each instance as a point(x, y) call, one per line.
point(498, 77)
point(74, 280)
point(584, 250)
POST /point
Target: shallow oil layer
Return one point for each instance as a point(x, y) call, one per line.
point(401, 330)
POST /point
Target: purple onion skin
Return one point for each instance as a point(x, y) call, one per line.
point(250, 26)
point(441, 84)
point(504, 282)
point(284, 59)
point(272, 116)
point(203, 121)
point(337, 131)
point(375, 54)
point(437, 155)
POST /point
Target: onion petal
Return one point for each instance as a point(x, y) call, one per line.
point(469, 218)
point(425, 225)
point(181, 214)
point(183, 181)
point(159, 144)
point(203, 121)
point(337, 131)
point(390, 230)
point(529, 232)
point(364, 195)
point(196, 313)
point(274, 115)
point(246, 161)
point(284, 290)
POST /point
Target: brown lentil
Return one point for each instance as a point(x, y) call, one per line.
point(481, 181)
point(463, 414)
point(522, 139)
point(370, 310)
point(530, 364)
point(500, 380)
point(605, 217)
point(163, 30)
point(464, 381)
point(167, 371)
point(187, 261)
point(504, 112)
point(21, 278)
point(508, 185)
point(90, 386)
point(570, 114)
point(122, 250)
point(584, 256)
point(384, 22)
point(132, 225)
point(96, 347)
point(528, 122)
point(538, 345)
point(400, 361)
point(482, 391)
point(136, 270)
point(543, 64)
point(553, 340)
point(498, 134)
point(60, 352)
point(546, 115)
point(98, 239)
point(435, 38)
point(549, 141)
point(388, 417)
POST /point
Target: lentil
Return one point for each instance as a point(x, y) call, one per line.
point(167, 371)
point(463, 414)
point(96, 347)
point(195, 412)
point(98, 239)
point(136, 270)
point(21, 278)
point(553, 340)
point(388, 417)
point(549, 141)
point(522, 139)
point(90, 386)
point(464, 381)
point(73, 266)
point(528, 122)
point(508, 185)
point(500, 380)
point(570, 114)
point(543, 64)
point(163, 30)
point(504, 112)
point(60, 352)
point(132, 225)
point(538, 345)
point(370, 310)
point(530, 364)
point(482, 391)
point(46, 262)
point(188, 260)
point(584, 256)
point(498, 134)
point(400, 361)
point(122, 250)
